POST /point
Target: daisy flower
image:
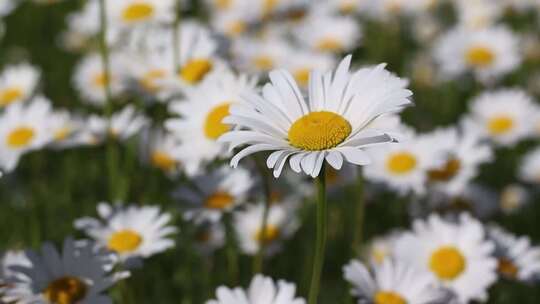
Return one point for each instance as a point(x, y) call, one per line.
point(90, 80)
point(77, 274)
point(215, 193)
point(488, 53)
point(478, 14)
point(149, 72)
point(456, 254)
point(17, 83)
point(281, 225)
point(504, 116)
point(8, 260)
point(66, 130)
point(335, 124)
point(393, 282)
point(513, 198)
point(260, 55)
point(381, 248)
point(301, 63)
point(6, 7)
point(529, 169)
point(262, 290)
point(23, 128)
point(209, 237)
point(518, 259)
point(158, 150)
point(129, 13)
point(334, 34)
point(129, 231)
point(201, 118)
point(121, 126)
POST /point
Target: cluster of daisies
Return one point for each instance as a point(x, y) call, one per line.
point(265, 84)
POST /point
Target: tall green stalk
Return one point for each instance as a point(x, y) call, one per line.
point(359, 214)
point(232, 255)
point(265, 177)
point(320, 242)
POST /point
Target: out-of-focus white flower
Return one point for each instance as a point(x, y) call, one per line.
point(17, 83)
point(129, 13)
point(478, 14)
point(513, 197)
point(529, 170)
point(122, 125)
point(260, 55)
point(158, 150)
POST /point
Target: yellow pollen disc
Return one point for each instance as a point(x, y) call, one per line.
point(163, 161)
point(219, 200)
point(20, 137)
point(124, 241)
point(507, 268)
point(100, 80)
point(62, 133)
point(236, 28)
point(500, 125)
point(401, 163)
point(480, 56)
point(10, 95)
point(195, 70)
point(149, 80)
point(263, 62)
point(271, 233)
point(329, 44)
point(447, 263)
point(67, 290)
point(138, 11)
point(213, 125)
point(302, 76)
point(446, 172)
point(388, 297)
point(318, 131)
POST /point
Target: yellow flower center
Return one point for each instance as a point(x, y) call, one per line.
point(500, 125)
point(329, 44)
point(348, 7)
point(236, 28)
point(479, 56)
point(149, 80)
point(124, 241)
point(507, 268)
point(20, 137)
point(401, 163)
point(195, 70)
point(66, 290)
point(138, 11)
point(10, 95)
point(388, 297)
point(62, 133)
point(318, 131)
point(223, 4)
point(447, 263)
point(379, 255)
point(100, 80)
point(269, 6)
point(302, 76)
point(219, 200)
point(163, 161)
point(271, 233)
point(446, 172)
point(213, 125)
point(263, 62)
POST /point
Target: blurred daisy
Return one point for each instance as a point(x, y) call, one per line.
point(262, 290)
point(128, 13)
point(8, 260)
point(260, 55)
point(455, 253)
point(215, 193)
point(17, 83)
point(281, 225)
point(478, 14)
point(23, 128)
point(6, 7)
point(121, 126)
point(463, 152)
point(158, 149)
point(529, 170)
point(76, 275)
point(334, 34)
point(209, 237)
point(489, 52)
point(503, 116)
point(201, 118)
point(130, 231)
point(393, 282)
point(513, 198)
point(335, 124)
point(149, 71)
point(518, 259)
point(90, 79)
point(66, 130)
point(301, 63)
point(381, 248)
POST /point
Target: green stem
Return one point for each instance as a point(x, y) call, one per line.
point(320, 242)
point(263, 171)
point(359, 214)
point(232, 256)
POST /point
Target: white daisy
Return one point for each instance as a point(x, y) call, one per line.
point(121, 126)
point(260, 55)
point(281, 225)
point(128, 13)
point(381, 248)
point(17, 83)
point(518, 258)
point(149, 72)
point(158, 150)
point(201, 118)
point(262, 290)
point(215, 193)
point(504, 115)
point(454, 253)
point(76, 275)
point(130, 231)
point(301, 63)
point(488, 53)
point(335, 124)
point(8, 260)
point(393, 282)
point(529, 170)
point(23, 128)
point(477, 14)
point(513, 198)
point(209, 237)
point(66, 130)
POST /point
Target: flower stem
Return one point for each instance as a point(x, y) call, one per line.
point(232, 256)
point(265, 177)
point(359, 214)
point(320, 242)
